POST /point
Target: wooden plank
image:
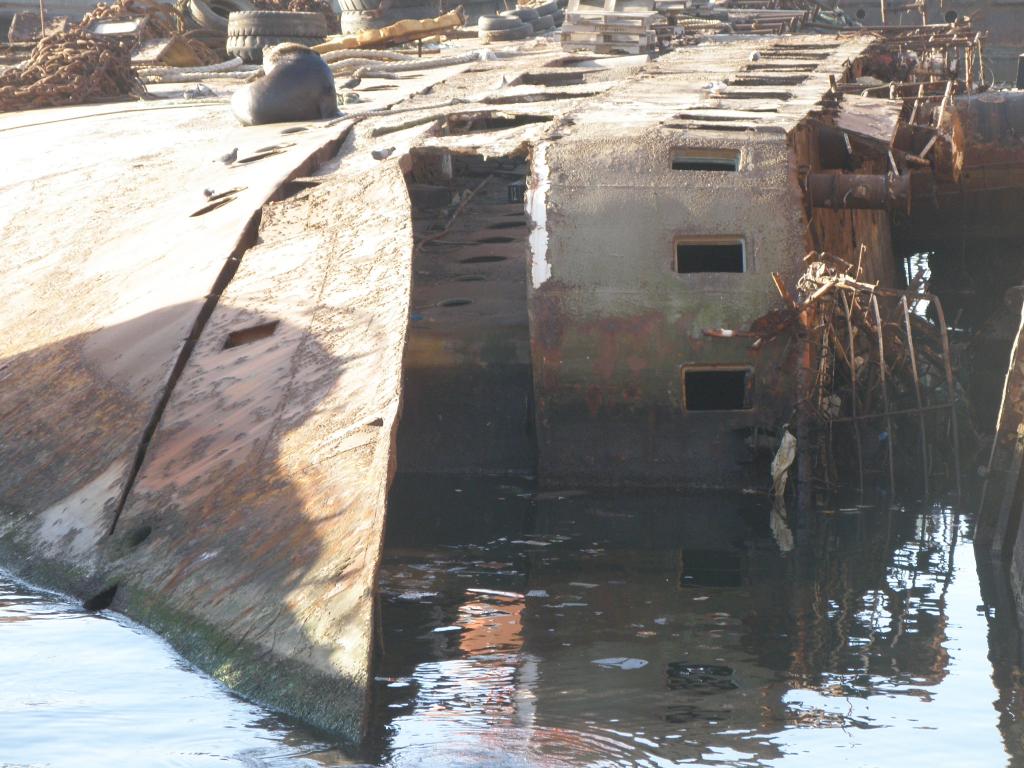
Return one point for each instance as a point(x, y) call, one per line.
point(606, 38)
point(869, 118)
point(631, 19)
point(623, 48)
point(597, 30)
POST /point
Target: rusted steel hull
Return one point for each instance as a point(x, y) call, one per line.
point(199, 410)
point(618, 319)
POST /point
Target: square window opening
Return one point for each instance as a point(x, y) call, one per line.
point(704, 159)
point(694, 256)
point(718, 389)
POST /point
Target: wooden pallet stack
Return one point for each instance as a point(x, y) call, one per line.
point(606, 29)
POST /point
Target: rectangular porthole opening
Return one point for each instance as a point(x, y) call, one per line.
point(718, 389)
point(710, 255)
point(703, 159)
point(249, 335)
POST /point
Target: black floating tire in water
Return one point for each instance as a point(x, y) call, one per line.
point(547, 9)
point(495, 23)
point(519, 32)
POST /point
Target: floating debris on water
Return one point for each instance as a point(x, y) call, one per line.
point(621, 662)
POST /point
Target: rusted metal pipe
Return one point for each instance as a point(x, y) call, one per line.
point(853, 394)
point(840, 191)
point(951, 386)
point(885, 394)
point(917, 390)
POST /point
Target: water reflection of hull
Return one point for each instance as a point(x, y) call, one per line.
point(712, 642)
point(1003, 602)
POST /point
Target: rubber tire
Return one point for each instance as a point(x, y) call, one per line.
point(488, 23)
point(277, 24)
point(249, 48)
point(559, 18)
point(474, 9)
point(523, 14)
point(353, 22)
point(521, 32)
point(358, 5)
point(543, 24)
point(546, 9)
point(206, 18)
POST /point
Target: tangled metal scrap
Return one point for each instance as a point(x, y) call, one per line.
point(78, 66)
point(159, 19)
point(71, 68)
point(883, 371)
point(880, 373)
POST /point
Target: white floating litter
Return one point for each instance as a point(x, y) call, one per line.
point(621, 662)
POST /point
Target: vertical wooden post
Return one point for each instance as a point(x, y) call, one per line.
point(42, 18)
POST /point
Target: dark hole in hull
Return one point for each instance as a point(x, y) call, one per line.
point(249, 335)
point(101, 600)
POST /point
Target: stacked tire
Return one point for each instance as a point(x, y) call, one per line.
point(501, 28)
point(474, 9)
point(213, 16)
point(249, 32)
point(520, 23)
point(357, 15)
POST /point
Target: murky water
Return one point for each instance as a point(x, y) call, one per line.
point(583, 631)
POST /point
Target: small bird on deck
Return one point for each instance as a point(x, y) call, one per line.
point(755, 56)
point(230, 157)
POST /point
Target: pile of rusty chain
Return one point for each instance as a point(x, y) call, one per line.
point(71, 68)
point(159, 19)
point(77, 66)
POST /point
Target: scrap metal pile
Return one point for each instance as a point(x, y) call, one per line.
point(71, 68)
point(879, 389)
point(882, 375)
point(83, 65)
point(754, 16)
